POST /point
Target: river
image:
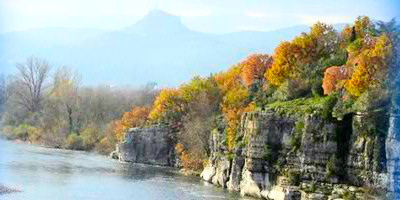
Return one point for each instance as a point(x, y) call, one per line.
point(45, 173)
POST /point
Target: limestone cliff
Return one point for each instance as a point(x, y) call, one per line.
point(308, 157)
point(147, 145)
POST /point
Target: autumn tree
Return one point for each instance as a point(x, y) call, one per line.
point(235, 100)
point(65, 94)
point(370, 65)
point(370, 55)
point(306, 56)
point(201, 97)
point(282, 65)
point(168, 107)
point(254, 68)
point(334, 79)
point(135, 118)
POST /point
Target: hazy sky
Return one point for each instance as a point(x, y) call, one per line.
point(217, 16)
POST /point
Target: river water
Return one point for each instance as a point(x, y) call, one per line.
point(44, 173)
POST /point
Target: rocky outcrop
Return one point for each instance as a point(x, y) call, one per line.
point(147, 145)
point(307, 157)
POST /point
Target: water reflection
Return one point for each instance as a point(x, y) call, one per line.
point(42, 173)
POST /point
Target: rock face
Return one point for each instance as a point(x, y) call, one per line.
point(308, 157)
point(147, 145)
point(393, 155)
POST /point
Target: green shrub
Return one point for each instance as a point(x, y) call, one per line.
point(313, 186)
point(328, 106)
point(23, 132)
point(298, 134)
point(371, 100)
point(332, 167)
point(294, 178)
point(291, 89)
point(271, 153)
point(302, 106)
point(230, 156)
point(90, 137)
point(349, 196)
point(75, 142)
point(316, 88)
point(342, 108)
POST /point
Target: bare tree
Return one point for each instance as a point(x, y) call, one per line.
point(32, 76)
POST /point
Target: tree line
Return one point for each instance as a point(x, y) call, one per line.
point(43, 104)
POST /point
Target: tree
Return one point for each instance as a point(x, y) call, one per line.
point(168, 107)
point(235, 100)
point(31, 77)
point(136, 118)
point(282, 65)
point(364, 27)
point(333, 76)
point(65, 93)
point(202, 98)
point(306, 56)
point(370, 65)
point(254, 68)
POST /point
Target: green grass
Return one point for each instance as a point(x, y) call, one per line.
point(314, 105)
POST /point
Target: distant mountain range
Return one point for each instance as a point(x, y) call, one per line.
point(158, 48)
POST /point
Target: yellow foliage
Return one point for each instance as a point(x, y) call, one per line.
point(167, 102)
point(234, 99)
point(195, 87)
point(282, 64)
point(370, 65)
point(363, 26)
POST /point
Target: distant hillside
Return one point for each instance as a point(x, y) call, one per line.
point(158, 48)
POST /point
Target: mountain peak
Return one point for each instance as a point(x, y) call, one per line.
point(158, 22)
point(158, 13)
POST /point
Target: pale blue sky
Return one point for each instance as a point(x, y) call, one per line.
point(216, 16)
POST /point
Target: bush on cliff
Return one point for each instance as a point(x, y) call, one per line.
point(189, 161)
point(105, 146)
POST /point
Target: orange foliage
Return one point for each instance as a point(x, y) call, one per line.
point(332, 76)
point(234, 99)
point(299, 59)
point(135, 118)
point(188, 162)
point(254, 67)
